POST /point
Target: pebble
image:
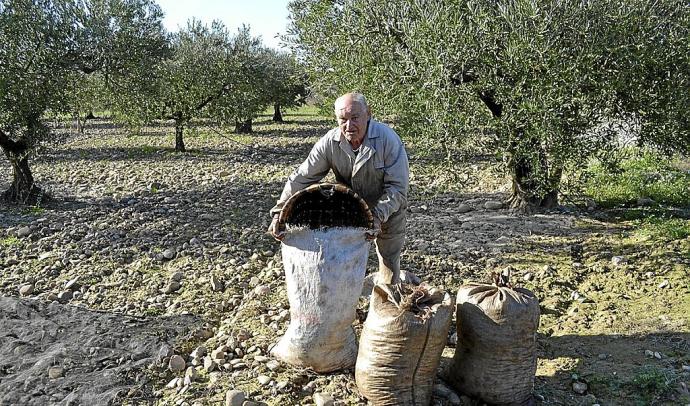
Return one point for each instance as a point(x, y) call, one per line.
point(493, 205)
point(56, 372)
point(165, 351)
point(273, 365)
point(72, 284)
point(172, 384)
point(234, 398)
point(26, 290)
point(23, 232)
point(618, 260)
point(263, 380)
point(191, 373)
point(464, 208)
point(169, 253)
point(176, 363)
point(64, 297)
point(209, 364)
point(219, 353)
point(580, 388)
point(262, 290)
point(528, 276)
point(173, 286)
point(323, 399)
point(664, 284)
point(199, 352)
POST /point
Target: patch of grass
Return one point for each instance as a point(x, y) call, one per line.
point(651, 383)
point(604, 382)
point(644, 174)
point(148, 150)
point(665, 229)
point(10, 241)
point(34, 210)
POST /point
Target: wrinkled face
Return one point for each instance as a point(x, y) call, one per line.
point(352, 120)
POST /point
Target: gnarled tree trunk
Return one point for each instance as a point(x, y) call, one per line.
point(534, 188)
point(277, 115)
point(23, 188)
point(243, 127)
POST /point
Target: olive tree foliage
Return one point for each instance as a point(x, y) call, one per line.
point(37, 39)
point(246, 83)
point(287, 83)
point(543, 84)
point(209, 73)
point(49, 46)
point(119, 41)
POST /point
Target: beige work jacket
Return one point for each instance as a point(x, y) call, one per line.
point(379, 173)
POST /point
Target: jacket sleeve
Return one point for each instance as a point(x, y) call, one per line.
point(396, 180)
point(311, 171)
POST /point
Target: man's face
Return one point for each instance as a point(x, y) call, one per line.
point(352, 120)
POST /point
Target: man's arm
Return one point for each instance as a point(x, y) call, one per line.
point(396, 180)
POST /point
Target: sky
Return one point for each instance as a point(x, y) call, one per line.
point(265, 17)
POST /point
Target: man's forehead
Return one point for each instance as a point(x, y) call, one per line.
point(350, 107)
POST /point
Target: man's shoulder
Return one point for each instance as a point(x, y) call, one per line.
point(384, 131)
point(332, 135)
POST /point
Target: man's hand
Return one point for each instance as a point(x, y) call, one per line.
point(274, 231)
point(374, 231)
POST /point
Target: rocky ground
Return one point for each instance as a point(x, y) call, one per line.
point(148, 277)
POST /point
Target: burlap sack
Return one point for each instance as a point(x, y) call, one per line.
point(496, 356)
point(401, 345)
point(324, 273)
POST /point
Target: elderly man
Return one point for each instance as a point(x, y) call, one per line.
point(370, 158)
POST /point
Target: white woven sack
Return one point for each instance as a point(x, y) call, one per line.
point(324, 273)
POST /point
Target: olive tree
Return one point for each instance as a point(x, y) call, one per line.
point(287, 83)
point(209, 73)
point(247, 85)
point(544, 84)
point(37, 39)
point(45, 45)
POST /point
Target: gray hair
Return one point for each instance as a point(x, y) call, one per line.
point(357, 97)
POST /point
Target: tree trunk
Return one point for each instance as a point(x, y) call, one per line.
point(23, 190)
point(179, 141)
point(243, 127)
point(277, 115)
point(528, 193)
point(81, 124)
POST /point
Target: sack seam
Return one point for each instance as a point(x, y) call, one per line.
point(419, 361)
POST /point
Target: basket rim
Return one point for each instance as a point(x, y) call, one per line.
point(336, 187)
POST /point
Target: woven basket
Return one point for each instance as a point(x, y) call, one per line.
point(325, 205)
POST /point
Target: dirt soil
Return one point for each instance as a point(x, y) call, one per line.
point(142, 247)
